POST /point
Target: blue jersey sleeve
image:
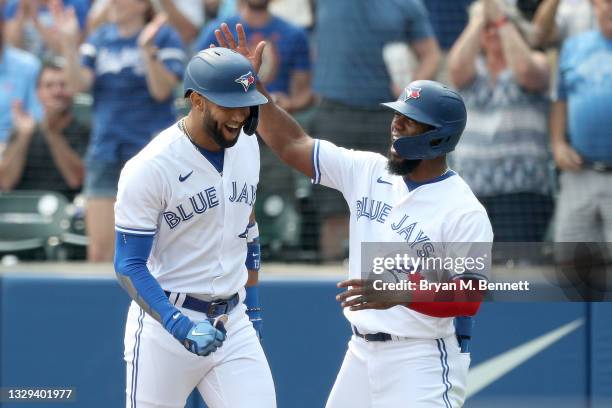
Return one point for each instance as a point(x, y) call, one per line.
point(301, 51)
point(171, 50)
point(207, 36)
point(560, 93)
point(131, 254)
point(419, 24)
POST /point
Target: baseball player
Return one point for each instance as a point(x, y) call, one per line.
point(186, 236)
point(405, 353)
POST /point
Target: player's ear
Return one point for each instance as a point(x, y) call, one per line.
point(197, 101)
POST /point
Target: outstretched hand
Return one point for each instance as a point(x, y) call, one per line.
point(359, 296)
point(226, 39)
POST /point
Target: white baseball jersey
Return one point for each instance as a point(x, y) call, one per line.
point(199, 217)
point(383, 209)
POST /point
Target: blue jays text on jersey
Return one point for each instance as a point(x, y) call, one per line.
point(208, 199)
point(376, 210)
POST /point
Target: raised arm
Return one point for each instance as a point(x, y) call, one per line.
point(179, 21)
point(530, 67)
point(427, 52)
point(80, 78)
point(463, 54)
point(544, 24)
point(13, 161)
point(160, 80)
point(276, 127)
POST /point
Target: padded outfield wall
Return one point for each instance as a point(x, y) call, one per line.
point(65, 329)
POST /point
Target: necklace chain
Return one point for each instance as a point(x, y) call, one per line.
point(183, 128)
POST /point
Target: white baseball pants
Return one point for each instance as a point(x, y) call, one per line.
point(411, 373)
point(161, 373)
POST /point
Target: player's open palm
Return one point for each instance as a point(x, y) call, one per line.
point(204, 338)
point(226, 39)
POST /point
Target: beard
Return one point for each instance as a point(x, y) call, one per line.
point(401, 167)
point(212, 128)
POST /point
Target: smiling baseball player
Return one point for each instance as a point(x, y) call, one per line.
point(404, 353)
point(186, 237)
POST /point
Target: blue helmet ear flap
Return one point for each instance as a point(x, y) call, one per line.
point(250, 126)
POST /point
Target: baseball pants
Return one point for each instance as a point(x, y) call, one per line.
point(415, 373)
point(161, 373)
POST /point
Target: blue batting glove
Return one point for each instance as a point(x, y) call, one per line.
point(203, 338)
point(200, 338)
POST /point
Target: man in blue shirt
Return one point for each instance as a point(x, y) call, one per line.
point(286, 65)
point(580, 132)
point(353, 79)
point(286, 73)
point(18, 73)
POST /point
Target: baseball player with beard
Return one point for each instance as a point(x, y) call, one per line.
point(187, 244)
point(405, 353)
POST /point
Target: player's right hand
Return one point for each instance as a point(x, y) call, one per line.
point(203, 338)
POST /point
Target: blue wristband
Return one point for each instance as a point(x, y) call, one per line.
point(253, 255)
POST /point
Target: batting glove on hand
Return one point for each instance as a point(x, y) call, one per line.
point(204, 338)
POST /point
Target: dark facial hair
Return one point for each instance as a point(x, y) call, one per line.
point(401, 167)
point(214, 130)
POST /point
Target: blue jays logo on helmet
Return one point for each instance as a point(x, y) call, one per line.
point(436, 105)
point(246, 80)
point(412, 93)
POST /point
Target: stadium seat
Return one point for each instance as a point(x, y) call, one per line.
point(32, 220)
point(279, 224)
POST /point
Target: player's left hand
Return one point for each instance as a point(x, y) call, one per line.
point(225, 38)
point(356, 297)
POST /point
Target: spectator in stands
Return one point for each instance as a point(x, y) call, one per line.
point(298, 12)
point(30, 24)
point(503, 154)
point(132, 66)
point(286, 73)
point(352, 79)
point(46, 154)
point(286, 62)
point(581, 122)
point(557, 20)
point(186, 16)
point(18, 73)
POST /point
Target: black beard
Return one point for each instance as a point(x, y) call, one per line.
point(402, 167)
point(212, 127)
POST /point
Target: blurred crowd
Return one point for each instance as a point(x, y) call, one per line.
point(87, 83)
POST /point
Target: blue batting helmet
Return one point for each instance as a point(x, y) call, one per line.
point(436, 105)
point(226, 78)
